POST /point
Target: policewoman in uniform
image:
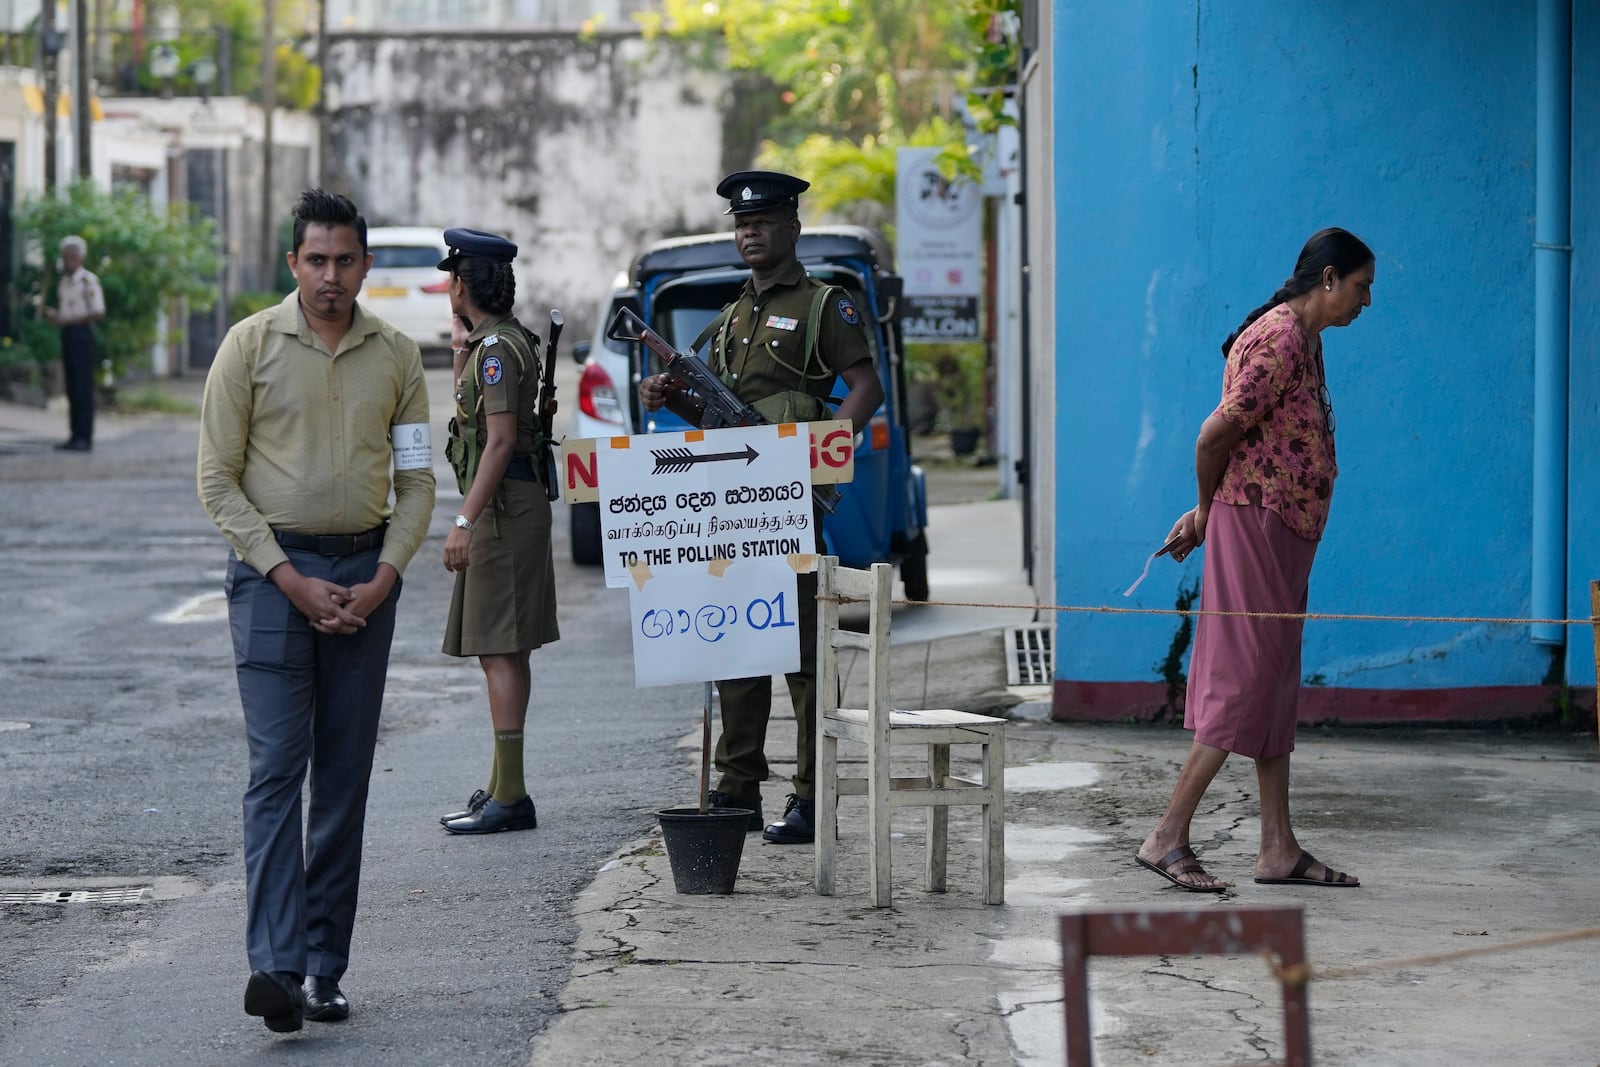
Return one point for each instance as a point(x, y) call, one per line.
point(504, 603)
point(779, 346)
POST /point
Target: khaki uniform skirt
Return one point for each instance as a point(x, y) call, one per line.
point(505, 601)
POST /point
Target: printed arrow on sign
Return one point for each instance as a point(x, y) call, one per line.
point(678, 460)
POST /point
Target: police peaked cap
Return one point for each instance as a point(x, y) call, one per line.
point(758, 190)
point(464, 242)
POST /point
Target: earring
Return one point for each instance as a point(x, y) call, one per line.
point(1328, 287)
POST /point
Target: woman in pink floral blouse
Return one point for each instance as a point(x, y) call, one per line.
point(1265, 466)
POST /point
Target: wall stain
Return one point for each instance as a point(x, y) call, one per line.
point(580, 149)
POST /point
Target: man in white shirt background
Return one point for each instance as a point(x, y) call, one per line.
point(80, 302)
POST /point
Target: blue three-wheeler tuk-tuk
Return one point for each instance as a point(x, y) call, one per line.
point(677, 287)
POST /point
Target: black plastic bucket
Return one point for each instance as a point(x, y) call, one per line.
point(704, 850)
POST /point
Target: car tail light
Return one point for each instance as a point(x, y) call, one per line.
point(878, 430)
point(597, 396)
point(441, 286)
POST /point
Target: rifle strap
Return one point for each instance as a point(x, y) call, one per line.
point(813, 356)
point(814, 329)
point(715, 326)
point(813, 338)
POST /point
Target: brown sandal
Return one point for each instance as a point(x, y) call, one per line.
point(1331, 878)
point(1180, 860)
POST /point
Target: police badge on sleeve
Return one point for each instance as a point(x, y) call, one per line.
point(490, 370)
point(848, 312)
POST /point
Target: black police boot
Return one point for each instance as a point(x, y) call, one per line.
point(716, 798)
point(797, 826)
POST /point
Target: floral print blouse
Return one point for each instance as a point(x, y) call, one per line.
point(1275, 390)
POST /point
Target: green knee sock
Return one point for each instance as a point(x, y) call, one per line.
point(494, 771)
point(508, 785)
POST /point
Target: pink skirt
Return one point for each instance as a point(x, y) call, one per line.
point(1244, 676)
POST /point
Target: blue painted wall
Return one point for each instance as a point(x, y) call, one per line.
point(1583, 498)
point(1197, 146)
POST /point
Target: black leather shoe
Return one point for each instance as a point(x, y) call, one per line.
point(716, 798)
point(277, 998)
point(495, 816)
point(795, 828)
point(74, 445)
point(474, 802)
point(324, 1002)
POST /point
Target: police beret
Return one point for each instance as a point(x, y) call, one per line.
point(464, 242)
point(757, 190)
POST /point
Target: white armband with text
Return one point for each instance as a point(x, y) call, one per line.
point(413, 446)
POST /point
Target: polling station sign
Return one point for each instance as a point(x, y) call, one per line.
point(703, 497)
point(693, 624)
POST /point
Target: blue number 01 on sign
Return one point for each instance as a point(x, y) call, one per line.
point(695, 624)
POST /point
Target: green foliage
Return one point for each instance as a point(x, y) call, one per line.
point(851, 67)
point(960, 377)
point(154, 399)
point(297, 78)
point(856, 182)
point(995, 27)
point(145, 261)
point(243, 305)
point(36, 342)
point(15, 354)
point(859, 78)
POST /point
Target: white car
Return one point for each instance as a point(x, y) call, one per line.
point(406, 288)
point(605, 409)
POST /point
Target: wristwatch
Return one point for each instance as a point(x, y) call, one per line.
point(461, 521)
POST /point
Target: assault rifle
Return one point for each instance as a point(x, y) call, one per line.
point(547, 408)
point(688, 373)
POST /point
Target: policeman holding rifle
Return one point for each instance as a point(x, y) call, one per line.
point(504, 603)
point(779, 347)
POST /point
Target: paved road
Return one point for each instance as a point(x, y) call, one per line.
point(122, 762)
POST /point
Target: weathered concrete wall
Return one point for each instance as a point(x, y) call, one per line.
point(577, 149)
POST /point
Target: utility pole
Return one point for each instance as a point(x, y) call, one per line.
point(49, 50)
point(322, 93)
point(269, 103)
point(82, 63)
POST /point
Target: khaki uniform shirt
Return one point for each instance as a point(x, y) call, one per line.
point(295, 437)
point(763, 348)
point(79, 297)
point(506, 364)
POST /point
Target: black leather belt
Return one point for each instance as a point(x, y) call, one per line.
point(521, 468)
point(331, 544)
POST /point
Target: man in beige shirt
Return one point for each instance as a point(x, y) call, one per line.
point(80, 303)
point(308, 408)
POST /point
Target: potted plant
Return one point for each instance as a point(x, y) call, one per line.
point(963, 395)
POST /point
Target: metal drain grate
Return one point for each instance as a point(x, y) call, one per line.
point(1029, 660)
point(129, 894)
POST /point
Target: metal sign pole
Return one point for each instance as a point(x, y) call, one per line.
point(705, 748)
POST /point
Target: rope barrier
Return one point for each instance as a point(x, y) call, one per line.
point(1312, 616)
point(1301, 973)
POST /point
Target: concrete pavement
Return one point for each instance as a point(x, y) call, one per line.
point(1463, 839)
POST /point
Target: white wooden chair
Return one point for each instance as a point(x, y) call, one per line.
point(881, 729)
